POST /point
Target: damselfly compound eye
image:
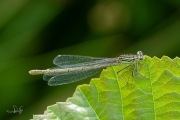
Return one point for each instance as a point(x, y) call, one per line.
point(140, 55)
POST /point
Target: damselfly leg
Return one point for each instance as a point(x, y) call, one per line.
point(133, 61)
point(121, 71)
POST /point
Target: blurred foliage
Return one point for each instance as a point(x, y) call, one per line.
point(32, 33)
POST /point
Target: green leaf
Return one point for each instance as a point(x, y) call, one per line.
point(152, 93)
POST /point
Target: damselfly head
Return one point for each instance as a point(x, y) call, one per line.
point(140, 55)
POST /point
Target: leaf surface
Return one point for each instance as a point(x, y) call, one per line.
point(152, 93)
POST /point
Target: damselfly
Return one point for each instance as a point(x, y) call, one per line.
point(72, 68)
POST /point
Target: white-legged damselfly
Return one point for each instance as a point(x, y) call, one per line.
point(72, 68)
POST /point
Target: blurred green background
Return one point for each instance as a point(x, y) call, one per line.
point(33, 32)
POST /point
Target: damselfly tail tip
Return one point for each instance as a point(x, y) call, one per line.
point(33, 72)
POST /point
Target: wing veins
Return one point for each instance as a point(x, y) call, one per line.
point(95, 61)
point(63, 60)
point(70, 77)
